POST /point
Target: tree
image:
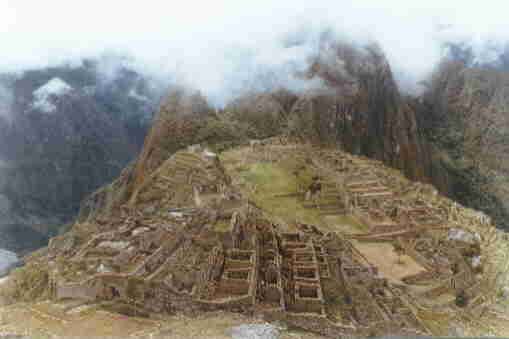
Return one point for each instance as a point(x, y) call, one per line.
point(399, 250)
point(461, 298)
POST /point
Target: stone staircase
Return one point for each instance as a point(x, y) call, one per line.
point(191, 169)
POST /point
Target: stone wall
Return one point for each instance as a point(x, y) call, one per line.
point(76, 291)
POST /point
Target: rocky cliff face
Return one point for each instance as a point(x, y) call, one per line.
point(66, 132)
point(365, 112)
point(178, 123)
point(358, 107)
point(464, 113)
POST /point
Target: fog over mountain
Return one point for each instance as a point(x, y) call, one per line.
point(64, 131)
point(217, 46)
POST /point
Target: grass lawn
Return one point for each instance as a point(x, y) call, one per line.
point(274, 186)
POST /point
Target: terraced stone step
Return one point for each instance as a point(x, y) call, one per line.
point(181, 178)
point(288, 195)
point(321, 206)
point(429, 221)
point(335, 194)
point(176, 179)
point(327, 184)
point(184, 167)
point(362, 183)
point(189, 155)
point(388, 235)
point(189, 164)
point(371, 189)
point(332, 212)
point(376, 194)
point(387, 228)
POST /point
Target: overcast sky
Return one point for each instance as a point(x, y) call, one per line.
point(208, 41)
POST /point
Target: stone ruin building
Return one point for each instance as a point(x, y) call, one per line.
point(321, 281)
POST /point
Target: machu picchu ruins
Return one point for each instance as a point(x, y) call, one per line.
point(254, 170)
point(333, 243)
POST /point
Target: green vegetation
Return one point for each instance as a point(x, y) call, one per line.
point(135, 287)
point(278, 188)
point(27, 283)
point(222, 226)
point(125, 309)
point(461, 299)
point(274, 188)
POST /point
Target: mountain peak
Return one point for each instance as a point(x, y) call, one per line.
point(44, 95)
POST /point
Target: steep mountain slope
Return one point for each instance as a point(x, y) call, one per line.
point(66, 132)
point(464, 112)
point(358, 108)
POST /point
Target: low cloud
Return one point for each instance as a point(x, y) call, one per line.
point(219, 46)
